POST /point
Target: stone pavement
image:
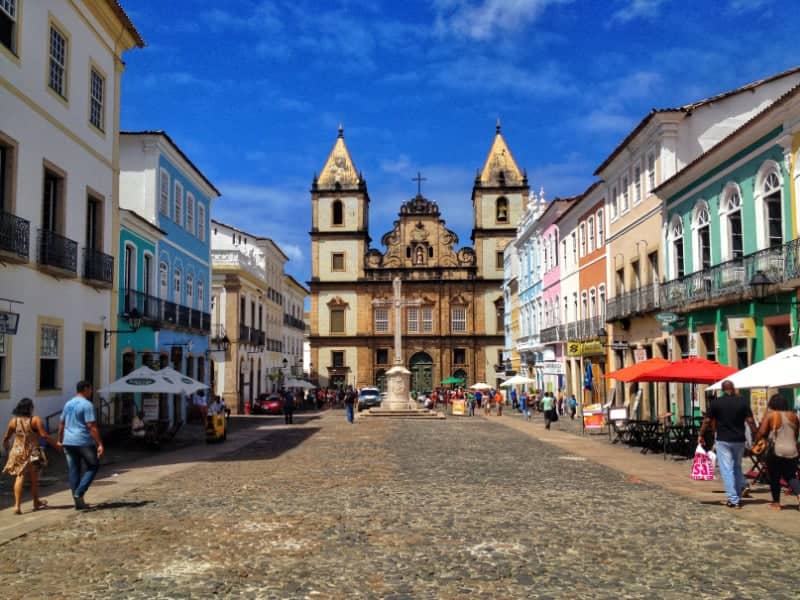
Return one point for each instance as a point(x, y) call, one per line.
point(464, 508)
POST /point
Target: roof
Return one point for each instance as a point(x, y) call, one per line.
point(126, 20)
point(177, 148)
point(251, 236)
point(144, 221)
point(297, 283)
point(575, 200)
point(688, 109)
point(752, 122)
point(500, 162)
point(339, 168)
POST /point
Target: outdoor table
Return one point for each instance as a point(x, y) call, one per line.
point(652, 436)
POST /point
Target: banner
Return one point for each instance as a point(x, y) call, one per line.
point(741, 327)
point(459, 408)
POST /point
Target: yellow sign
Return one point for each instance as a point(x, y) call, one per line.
point(758, 402)
point(574, 348)
point(741, 327)
point(459, 407)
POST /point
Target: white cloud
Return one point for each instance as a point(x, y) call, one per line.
point(606, 122)
point(637, 9)
point(400, 165)
point(486, 18)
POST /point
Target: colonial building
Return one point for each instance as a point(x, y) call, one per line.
point(170, 288)
point(60, 71)
point(453, 318)
point(294, 326)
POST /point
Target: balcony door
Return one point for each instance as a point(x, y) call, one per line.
point(94, 222)
point(50, 204)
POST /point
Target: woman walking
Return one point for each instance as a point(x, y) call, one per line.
point(26, 457)
point(548, 403)
point(781, 426)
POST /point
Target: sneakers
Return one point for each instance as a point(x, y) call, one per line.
point(80, 504)
point(730, 504)
point(745, 492)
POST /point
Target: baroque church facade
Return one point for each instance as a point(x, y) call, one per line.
point(452, 323)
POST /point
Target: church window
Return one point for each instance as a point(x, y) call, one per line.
point(499, 262)
point(382, 356)
point(408, 251)
point(337, 359)
point(381, 320)
point(501, 210)
point(337, 210)
point(458, 319)
point(427, 319)
point(459, 356)
point(337, 261)
point(430, 251)
point(337, 320)
point(412, 318)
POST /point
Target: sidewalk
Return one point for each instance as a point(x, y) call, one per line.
point(117, 480)
point(672, 474)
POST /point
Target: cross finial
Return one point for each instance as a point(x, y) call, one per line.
point(497, 126)
point(419, 179)
point(341, 130)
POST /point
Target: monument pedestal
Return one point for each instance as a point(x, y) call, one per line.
point(398, 403)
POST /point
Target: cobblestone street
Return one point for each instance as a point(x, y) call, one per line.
point(464, 508)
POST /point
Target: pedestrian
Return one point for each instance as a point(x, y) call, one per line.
point(487, 404)
point(561, 404)
point(80, 437)
point(349, 404)
point(514, 400)
point(498, 399)
point(548, 406)
point(471, 403)
point(523, 403)
point(781, 426)
point(573, 406)
point(731, 413)
point(26, 457)
point(288, 406)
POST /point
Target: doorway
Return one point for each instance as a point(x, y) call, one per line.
point(421, 367)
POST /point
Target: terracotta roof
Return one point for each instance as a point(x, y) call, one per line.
point(795, 91)
point(177, 149)
point(126, 20)
point(688, 109)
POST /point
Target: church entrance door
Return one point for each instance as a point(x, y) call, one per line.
point(421, 367)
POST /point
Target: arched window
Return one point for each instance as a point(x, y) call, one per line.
point(592, 302)
point(601, 300)
point(501, 210)
point(163, 280)
point(730, 211)
point(190, 291)
point(701, 224)
point(337, 210)
point(176, 286)
point(769, 206)
point(676, 245)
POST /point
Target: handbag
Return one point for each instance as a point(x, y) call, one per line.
point(760, 447)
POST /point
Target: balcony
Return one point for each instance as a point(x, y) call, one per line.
point(586, 329)
point(291, 321)
point(14, 238)
point(236, 259)
point(553, 334)
point(57, 254)
point(640, 301)
point(257, 337)
point(98, 267)
point(162, 313)
point(729, 281)
point(244, 334)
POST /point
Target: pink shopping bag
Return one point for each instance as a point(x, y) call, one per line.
point(702, 466)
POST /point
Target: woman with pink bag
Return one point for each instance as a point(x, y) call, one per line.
point(780, 426)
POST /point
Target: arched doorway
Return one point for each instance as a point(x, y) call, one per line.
point(421, 367)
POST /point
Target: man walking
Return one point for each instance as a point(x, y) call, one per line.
point(288, 407)
point(731, 413)
point(80, 438)
point(349, 404)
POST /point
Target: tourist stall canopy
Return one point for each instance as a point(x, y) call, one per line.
point(298, 383)
point(779, 370)
point(517, 380)
point(628, 374)
point(145, 380)
point(452, 380)
point(688, 370)
point(190, 386)
point(480, 386)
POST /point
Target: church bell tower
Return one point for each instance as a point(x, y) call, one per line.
point(498, 200)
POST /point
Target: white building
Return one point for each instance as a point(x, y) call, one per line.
point(60, 70)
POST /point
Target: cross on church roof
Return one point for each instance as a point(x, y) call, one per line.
point(419, 179)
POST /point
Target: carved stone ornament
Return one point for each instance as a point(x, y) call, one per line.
point(373, 258)
point(466, 257)
point(419, 233)
point(337, 302)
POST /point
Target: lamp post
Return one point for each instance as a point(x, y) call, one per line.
point(134, 322)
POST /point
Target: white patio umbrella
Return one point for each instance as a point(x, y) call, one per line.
point(298, 383)
point(189, 385)
point(517, 380)
point(778, 370)
point(143, 381)
point(480, 386)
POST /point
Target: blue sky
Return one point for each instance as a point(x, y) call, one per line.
point(253, 90)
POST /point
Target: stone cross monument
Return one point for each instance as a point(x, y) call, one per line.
point(397, 378)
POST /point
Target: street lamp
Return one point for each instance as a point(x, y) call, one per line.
point(759, 284)
point(602, 336)
point(134, 319)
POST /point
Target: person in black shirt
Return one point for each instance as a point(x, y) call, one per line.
point(349, 404)
point(732, 413)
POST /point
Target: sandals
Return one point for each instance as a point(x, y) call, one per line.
point(774, 506)
point(40, 505)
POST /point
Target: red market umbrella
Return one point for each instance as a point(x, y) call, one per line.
point(628, 374)
point(689, 370)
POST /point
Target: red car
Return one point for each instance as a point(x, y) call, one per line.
point(268, 404)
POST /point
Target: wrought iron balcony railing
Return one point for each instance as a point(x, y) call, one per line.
point(585, 329)
point(640, 301)
point(731, 279)
point(291, 321)
point(15, 235)
point(55, 250)
point(244, 334)
point(163, 313)
point(98, 266)
point(553, 334)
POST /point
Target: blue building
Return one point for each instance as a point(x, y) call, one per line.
point(166, 276)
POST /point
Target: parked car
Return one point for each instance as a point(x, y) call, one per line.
point(268, 404)
point(369, 397)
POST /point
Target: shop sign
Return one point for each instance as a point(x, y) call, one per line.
point(150, 408)
point(574, 348)
point(552, 367)
point(9, 322)
point(693, 344)
point(593, 347)
point(619, 345)
point(741, 327)
point(639, 355)
point(666, 317)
